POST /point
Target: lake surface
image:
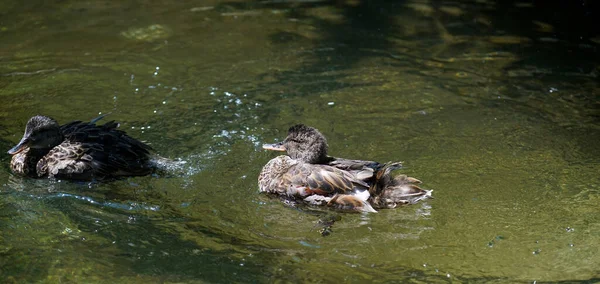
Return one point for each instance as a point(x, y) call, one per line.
point(496, 107)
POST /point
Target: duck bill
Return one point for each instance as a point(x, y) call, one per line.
point(20, 147)
point(274, 147)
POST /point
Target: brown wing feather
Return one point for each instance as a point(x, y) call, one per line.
point(285, 176)
point(324, 180)
point(66, 160)
point(353, 165)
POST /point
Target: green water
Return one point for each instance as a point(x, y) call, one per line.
point(499, 118)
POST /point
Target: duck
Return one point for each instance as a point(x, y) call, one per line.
point(308, 174)
point(78, 151)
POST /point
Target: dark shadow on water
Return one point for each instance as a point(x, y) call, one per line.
point(553, 41)
point(371, 25)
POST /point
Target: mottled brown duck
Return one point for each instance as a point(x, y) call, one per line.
point(78, 151)
point(308, 174)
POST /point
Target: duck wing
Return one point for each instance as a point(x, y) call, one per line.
point(385, 190)
point(319, 184)
point(110, 152)
point(308, 179)
point(353, 165)
point(67, 160)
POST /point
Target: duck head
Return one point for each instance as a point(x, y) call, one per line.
point(41, 132)
point(303, 143)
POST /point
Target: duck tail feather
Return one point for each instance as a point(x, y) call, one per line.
point(383, 177)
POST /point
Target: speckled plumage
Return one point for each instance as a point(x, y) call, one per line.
point(78, 150)
point(307, 172)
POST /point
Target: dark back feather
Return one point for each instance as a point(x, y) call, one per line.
point(113, 152)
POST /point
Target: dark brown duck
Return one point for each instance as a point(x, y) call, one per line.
point(309, 174)
point(78, 150)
